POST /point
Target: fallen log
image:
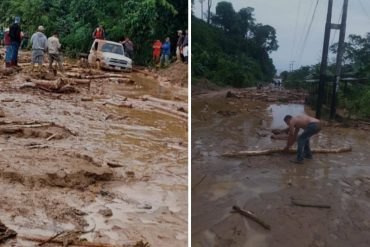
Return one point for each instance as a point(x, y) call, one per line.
point(172, 111)
point(308, 203)
point(119, 104)
point(252, 216)
point(59, 86)
point(281, 150)
point(106, 76)
point(177, 104)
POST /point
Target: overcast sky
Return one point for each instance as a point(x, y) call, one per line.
point(282, 15)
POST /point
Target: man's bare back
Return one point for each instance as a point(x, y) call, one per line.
point(302, 121)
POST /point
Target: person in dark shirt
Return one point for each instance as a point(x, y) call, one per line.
point(128, 47)
point(15, 40)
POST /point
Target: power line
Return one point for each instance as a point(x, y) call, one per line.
point(305, 24)
point(308, 32)
point(363, 9)
point(295, 30)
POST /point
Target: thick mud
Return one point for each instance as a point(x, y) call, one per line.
point(109, 156)
point(266, 184)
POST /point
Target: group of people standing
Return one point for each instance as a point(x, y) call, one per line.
point(40, 44)
point(162, 51)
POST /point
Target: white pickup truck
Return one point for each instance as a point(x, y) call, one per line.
point(109, 55)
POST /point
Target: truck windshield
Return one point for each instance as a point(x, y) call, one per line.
point(112, 48)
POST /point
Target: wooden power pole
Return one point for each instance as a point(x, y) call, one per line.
point(324, 60)
point(340, 53)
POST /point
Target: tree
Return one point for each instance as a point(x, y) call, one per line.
point(225, 16)
point(246, 21)
point(265, 35)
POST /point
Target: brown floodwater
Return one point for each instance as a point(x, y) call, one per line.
point(265, 184)
point(129, 161)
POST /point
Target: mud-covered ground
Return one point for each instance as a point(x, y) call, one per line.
point(106, 164)
point(266, 184)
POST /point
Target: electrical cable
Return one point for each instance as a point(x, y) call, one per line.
point(295, 30)
point(305, 24)
point(308, 32)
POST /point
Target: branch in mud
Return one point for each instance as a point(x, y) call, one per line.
point(308, 203)
point(252, 216)
point(281, 150)
point(66, 234)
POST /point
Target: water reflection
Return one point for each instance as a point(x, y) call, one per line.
point(278, 112)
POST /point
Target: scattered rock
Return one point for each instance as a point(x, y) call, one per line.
point(142, 244)
point(107, 212)
point(227, 113)
point(182, 109)
point(229, 94)
point(145, 206)
point(130, 174)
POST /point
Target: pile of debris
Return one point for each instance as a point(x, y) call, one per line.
point(269, 95)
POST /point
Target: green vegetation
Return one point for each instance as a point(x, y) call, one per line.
point(142, 20)
point(233, 49)
point(353, 97)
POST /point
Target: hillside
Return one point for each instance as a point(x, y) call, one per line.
point(237, 57)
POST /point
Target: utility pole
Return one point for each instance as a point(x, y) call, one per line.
point(340, 53)
point(324, 60)
point(291, 65)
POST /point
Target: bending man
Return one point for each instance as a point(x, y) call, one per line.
point(310, 125)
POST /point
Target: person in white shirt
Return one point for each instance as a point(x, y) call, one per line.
point(53, 50)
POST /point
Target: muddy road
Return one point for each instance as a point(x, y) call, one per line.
point(102, 162)
point(266, 184)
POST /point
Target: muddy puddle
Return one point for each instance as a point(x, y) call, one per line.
point(266, 184)
point(108, 173)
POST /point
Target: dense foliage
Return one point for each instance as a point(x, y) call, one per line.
point(142, 20)
point(355, 97)
point(233, 49)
